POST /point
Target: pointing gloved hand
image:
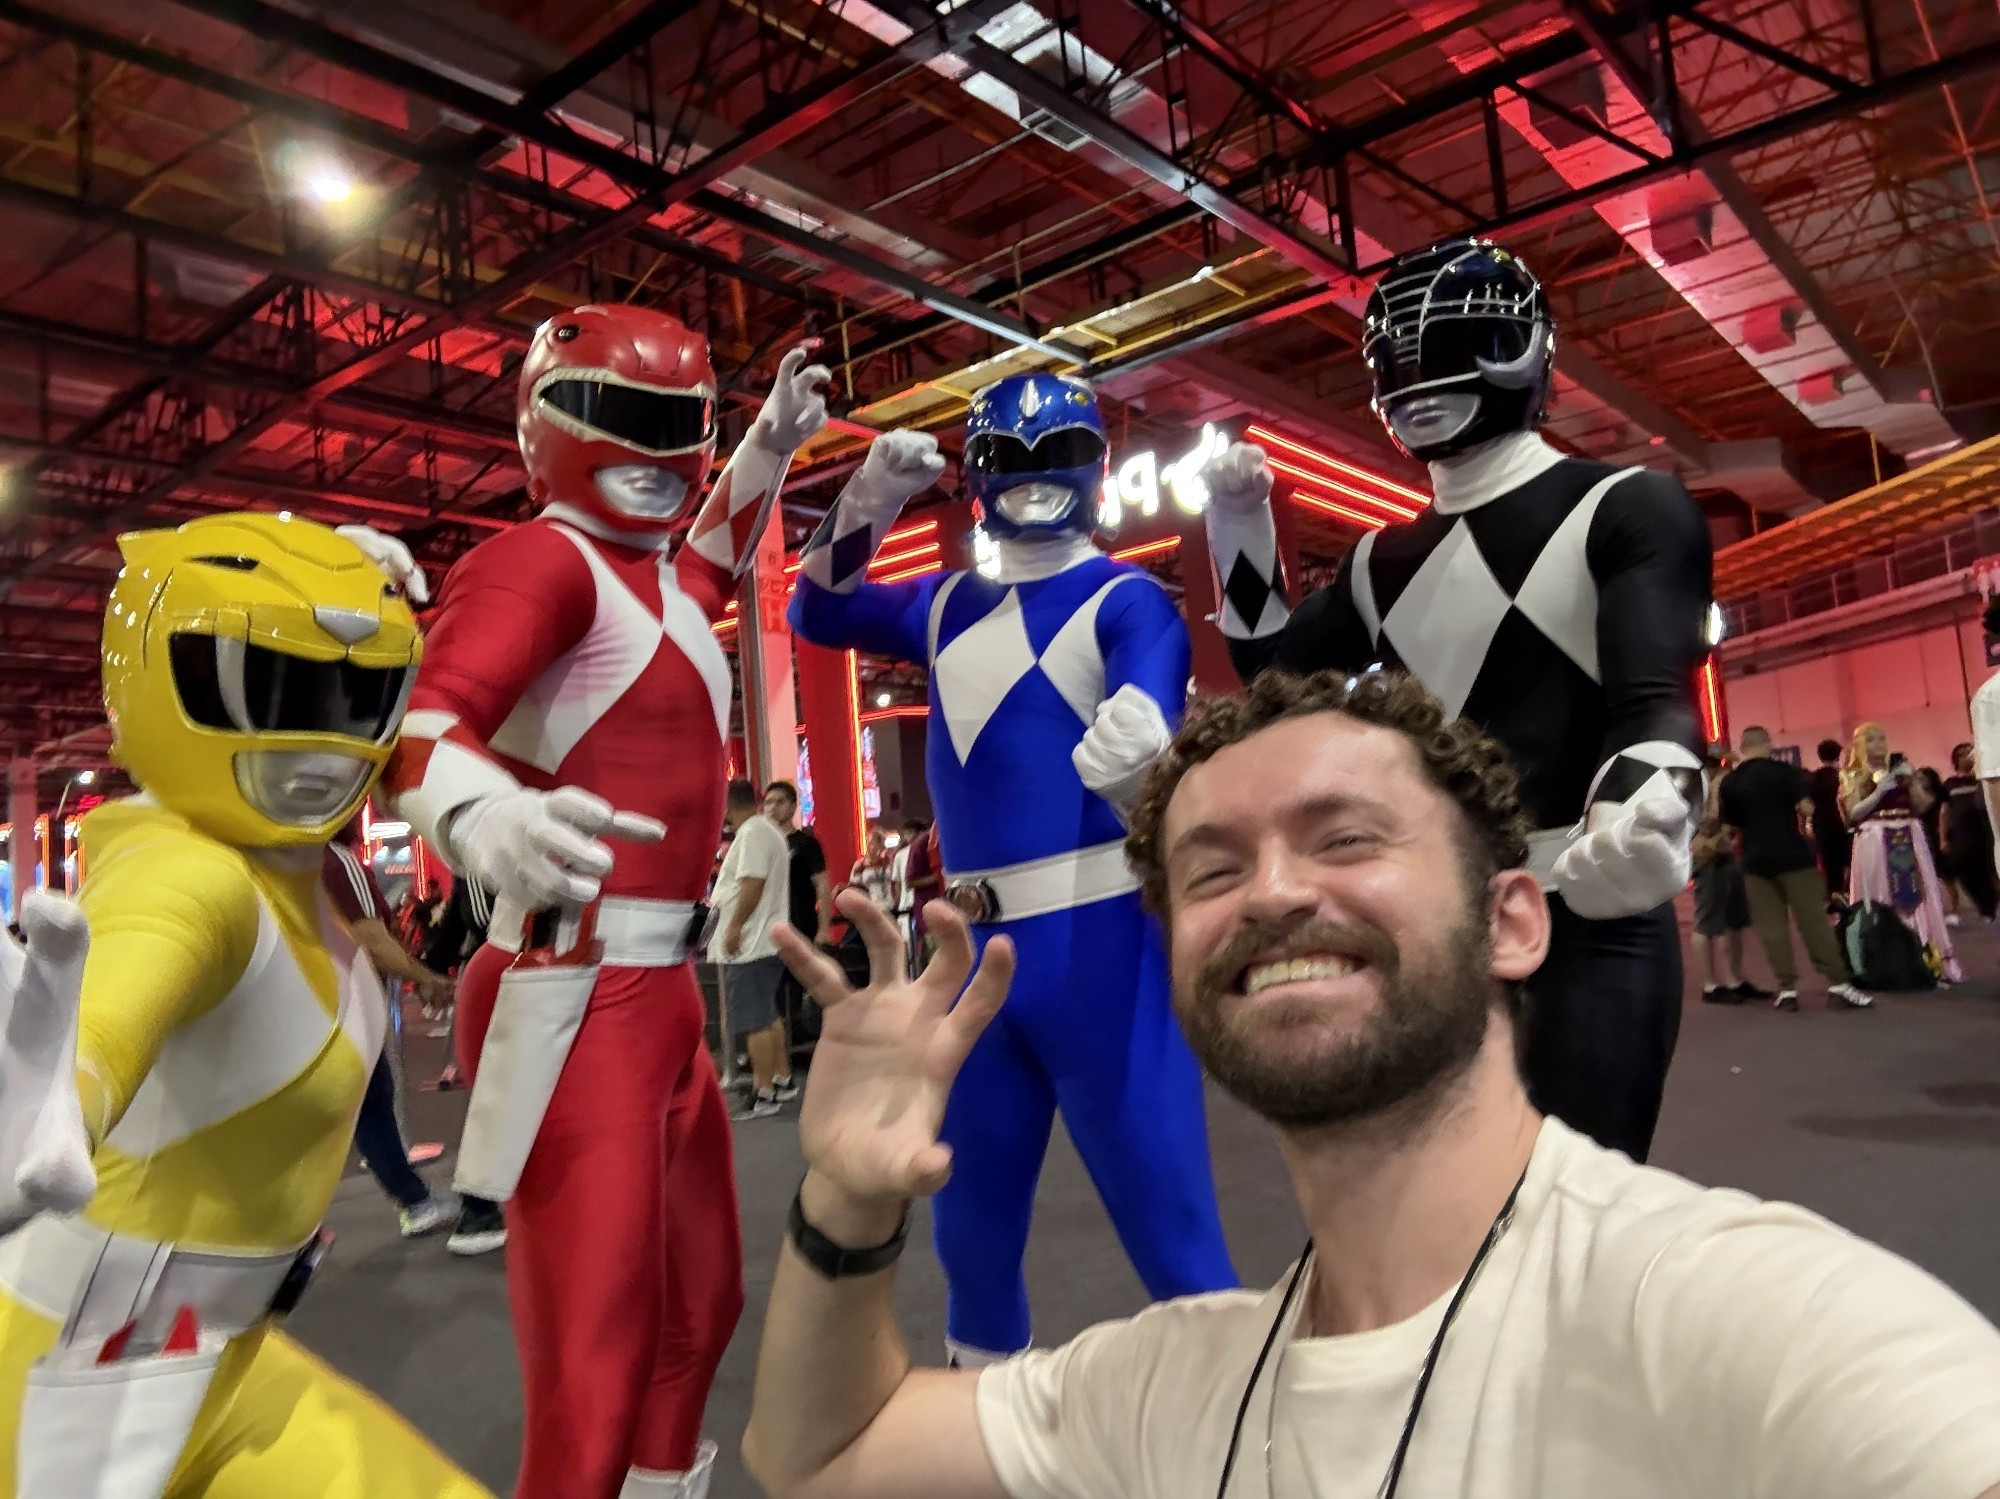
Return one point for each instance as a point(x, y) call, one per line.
point(536, 849)
point(389, 554)
point(44, 1148)
point(1238, 481)
point(1635, 859)
point(1129, 734)
point(795, 410)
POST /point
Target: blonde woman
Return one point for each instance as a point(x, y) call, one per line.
point(1883, 801)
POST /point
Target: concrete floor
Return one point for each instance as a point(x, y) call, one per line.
point(1888, 1122)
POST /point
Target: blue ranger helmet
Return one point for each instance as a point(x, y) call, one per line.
point(1035, 455)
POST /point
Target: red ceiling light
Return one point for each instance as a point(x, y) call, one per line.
point(1342, 512)
point(1147, 549)
point(1327, 464)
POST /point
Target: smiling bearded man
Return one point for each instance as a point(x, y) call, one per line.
point(1491, 1304)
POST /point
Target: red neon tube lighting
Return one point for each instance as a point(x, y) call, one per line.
point(854, 734)
point(1401, 512)
point(1263, 435)
point(1147, 549)
point(1711, 700)
point(1315, 502)
point(905, 533)
point(921, 570)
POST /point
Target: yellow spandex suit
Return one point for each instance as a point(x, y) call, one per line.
point(255, 670)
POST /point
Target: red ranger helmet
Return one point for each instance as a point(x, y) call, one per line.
point(609, 387)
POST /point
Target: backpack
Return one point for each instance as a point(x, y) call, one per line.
point(1882, 950)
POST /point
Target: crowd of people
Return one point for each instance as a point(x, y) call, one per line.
point(1832, 854)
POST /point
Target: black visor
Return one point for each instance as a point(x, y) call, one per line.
point(655, 420)
point(1446, 347)
point(284, 694)
point(1003, 453)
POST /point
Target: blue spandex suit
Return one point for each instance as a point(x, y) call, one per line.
point(1017, 671)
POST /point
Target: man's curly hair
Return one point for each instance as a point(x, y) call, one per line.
point(1459, 758)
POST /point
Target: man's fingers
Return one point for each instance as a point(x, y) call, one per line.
point(982, 998)
point(794, 357)
point(886, 956)
point(636, 827)
point(821, 977)
point(579, 809)
point(947, 971)
point(815, 377)
point(576, 851)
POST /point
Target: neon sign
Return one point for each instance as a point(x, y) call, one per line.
point(1140, 480)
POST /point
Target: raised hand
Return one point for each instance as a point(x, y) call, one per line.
point(899, 464)
point(1238, 481)
point(887, 1054)
point(536, 849)
point(795, 410)
point(394, 558)
point(44, 1148)
point(1129, 734)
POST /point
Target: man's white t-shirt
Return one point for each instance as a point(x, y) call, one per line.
point(1631, 1336)
point(758, 851)
point(1986, 729)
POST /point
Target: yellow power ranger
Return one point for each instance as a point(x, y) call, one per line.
point(255, 672)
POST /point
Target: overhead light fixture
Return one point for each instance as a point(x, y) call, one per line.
point(882, 699)
point(329, 184)
point(86, 777)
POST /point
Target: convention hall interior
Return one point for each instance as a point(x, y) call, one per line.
point(287, 256)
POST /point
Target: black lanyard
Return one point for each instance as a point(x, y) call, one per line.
point(1395, 1474)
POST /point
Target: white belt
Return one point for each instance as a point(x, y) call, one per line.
point(1544, 848)
point(1057, 883)
point(73, 1272)
point(636, 932)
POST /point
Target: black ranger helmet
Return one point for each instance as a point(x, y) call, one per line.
point(1460, 344)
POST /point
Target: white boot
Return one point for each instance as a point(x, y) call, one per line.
point(964, 1356)
point(649, 1483)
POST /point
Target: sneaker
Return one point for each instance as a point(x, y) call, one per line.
point(439, 1210)
point(761, 1106)
point(785, 1088)
point(1721, 994)
point(1750, 991)
point(1853, 998)
point(1788, 1000)
point(480, 1230)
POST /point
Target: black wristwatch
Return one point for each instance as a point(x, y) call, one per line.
point(829, 1259)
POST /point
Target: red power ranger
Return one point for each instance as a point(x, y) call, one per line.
point(571, 689)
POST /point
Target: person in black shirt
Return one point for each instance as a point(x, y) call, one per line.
point(1968, 834)
point(1766, 801)
point(809, 889)
point(1830, 830)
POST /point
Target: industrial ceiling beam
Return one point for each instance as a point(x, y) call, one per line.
point(1636, 70)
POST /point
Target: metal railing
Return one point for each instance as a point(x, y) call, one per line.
point(1917, 559)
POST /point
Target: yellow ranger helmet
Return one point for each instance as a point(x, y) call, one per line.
point(256, 668)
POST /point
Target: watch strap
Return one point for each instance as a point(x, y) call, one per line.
point(831, 1260)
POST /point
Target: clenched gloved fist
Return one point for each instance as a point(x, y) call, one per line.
point(1238, 482)
point(899, 464)
point(1129, 734)
point(44, 1148)
point(537, 849)
point(389, 554)
point(795, 410)
point(1636, 860)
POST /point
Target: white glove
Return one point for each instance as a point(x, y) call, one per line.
point(899, 464)
point(795, 410)
point(1130, 733)
point(1636, 860)
point(1238, 482)
point(44, 1148)
point(541, 848)
point(389, 554)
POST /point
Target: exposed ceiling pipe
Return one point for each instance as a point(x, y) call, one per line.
point(1690, 234)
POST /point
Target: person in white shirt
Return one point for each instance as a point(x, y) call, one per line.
point(1985, 711)
point(752, 894)
point(1490, 1305)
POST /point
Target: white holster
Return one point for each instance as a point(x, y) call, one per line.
point(117, 1430)
point(535, 1019)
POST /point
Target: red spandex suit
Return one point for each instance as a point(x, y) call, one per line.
point(572, 688)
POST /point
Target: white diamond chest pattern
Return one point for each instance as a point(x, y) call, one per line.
point(1444, 621)
point(978, 668)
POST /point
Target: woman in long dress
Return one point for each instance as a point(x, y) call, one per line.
point(1884, 804)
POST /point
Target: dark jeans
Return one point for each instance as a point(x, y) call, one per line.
point(1971, 864)
point(381, 1142)
point(1603, 1013)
